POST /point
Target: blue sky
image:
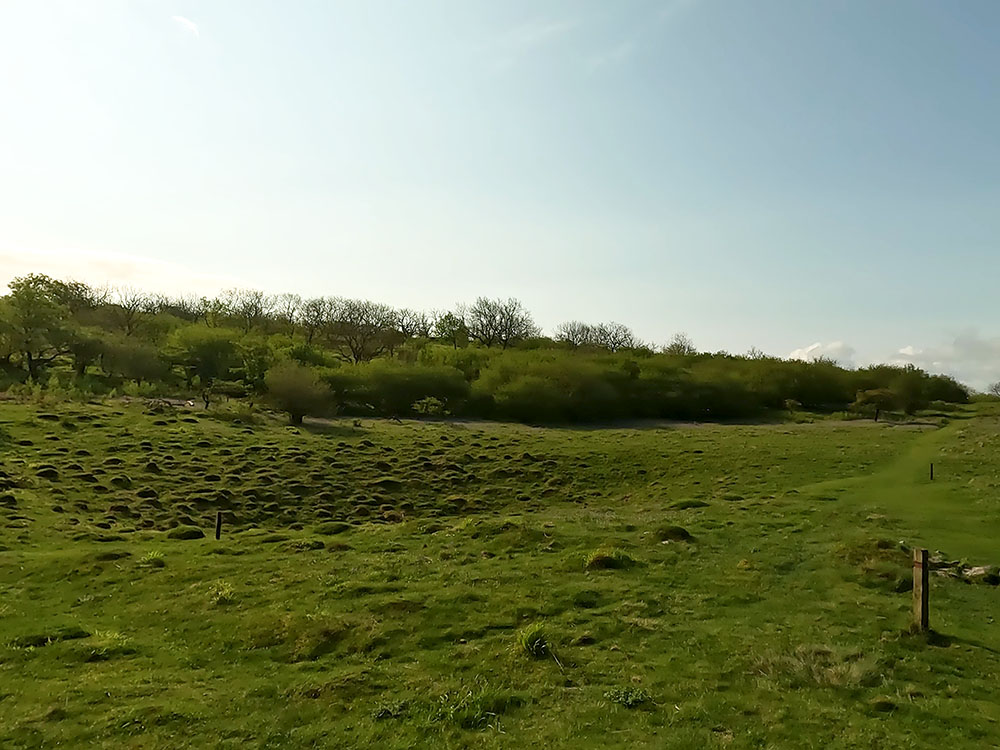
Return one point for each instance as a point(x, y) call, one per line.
point(807, 177)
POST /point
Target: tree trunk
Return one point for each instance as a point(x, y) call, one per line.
point(295, 419)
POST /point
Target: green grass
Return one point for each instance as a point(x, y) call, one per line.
point(432, 585)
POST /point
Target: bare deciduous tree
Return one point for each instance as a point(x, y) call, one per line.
point(250, 306)
point(412, 323)
point(498, 321)
point(611, 336)
point(575, 333)
point(359, 330)
point(286, 307)
point(616, 337)
point(129, 307)
point(314, 314)
point(212, 311)
point(680, 344)
point(186, 307)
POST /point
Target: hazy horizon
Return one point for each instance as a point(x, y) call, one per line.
point(807, 179)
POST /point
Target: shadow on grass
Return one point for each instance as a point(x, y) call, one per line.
point(319, 426)
point(943, 640)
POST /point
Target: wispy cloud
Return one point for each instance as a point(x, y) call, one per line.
point(617, 54)
point(104, 267)
point(971, 358)
point(537, 32)
point(187, 24)
point(838, 351)
point(533, 35)
point(622, 51)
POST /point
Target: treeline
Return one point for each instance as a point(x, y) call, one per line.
point(336, 355)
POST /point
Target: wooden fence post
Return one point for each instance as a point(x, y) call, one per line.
point(932, 472)
point(921, 589)
point(218, 524)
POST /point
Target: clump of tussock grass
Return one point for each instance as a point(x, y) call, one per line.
point(808, 666)
point(674, 534)
point(533, 641)
point(107, 644)
point(390, 710)
point(629, 697)
point(152, 559)
point(479, 707)
point(221, 594)
point(608, 558)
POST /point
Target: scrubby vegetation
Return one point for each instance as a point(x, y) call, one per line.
point(331, 355)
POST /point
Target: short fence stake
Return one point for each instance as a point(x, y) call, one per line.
point(932, 472)
point(921, 589)
point(218, 524)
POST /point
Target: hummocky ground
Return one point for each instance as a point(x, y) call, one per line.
point(485, 585)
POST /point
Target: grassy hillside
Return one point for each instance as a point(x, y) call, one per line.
point(482, 585)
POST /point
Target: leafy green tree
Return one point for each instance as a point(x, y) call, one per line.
point(133, 360)
point(297, 390)
point(7, 350)
point(85, 346)
point(945, 388)
point(908, 386)
point(204, 352)
point(876, 400)
point(256, 356)
point(450, 327)
point(35, 322)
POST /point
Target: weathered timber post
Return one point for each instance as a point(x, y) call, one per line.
point(218, 524)
point(921, 589)
point(932, 472)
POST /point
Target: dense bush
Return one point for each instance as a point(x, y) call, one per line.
point(297, 390)
point(486, 361)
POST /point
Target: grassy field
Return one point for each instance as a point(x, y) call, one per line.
point(485, 585)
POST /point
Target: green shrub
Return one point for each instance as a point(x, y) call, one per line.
point(297, 390)
point(630, 697)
